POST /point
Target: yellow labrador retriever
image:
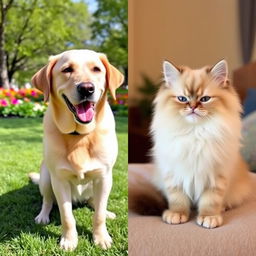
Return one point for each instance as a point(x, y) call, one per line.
point(80, 144)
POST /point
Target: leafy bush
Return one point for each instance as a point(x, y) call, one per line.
point(24, 109)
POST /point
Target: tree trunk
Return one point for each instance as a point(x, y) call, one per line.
point(4, 81)
point(126, 75)
point(10, 75)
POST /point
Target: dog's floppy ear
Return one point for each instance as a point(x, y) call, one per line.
point(114, 77)
point(42, 79)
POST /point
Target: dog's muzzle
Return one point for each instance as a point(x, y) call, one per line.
point(83, 112)
point(85, 89)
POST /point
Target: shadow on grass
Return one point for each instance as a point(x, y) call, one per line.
point(10, 123)
point(20, 207)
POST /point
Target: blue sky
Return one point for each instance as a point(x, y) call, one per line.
point(92, 5)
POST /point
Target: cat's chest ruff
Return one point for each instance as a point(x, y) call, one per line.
point(191, 160)
point(192, 145)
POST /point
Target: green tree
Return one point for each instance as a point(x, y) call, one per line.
point(110, 31)
point(4, 8)
point(34, 29)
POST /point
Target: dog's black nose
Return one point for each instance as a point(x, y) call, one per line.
point(85, 89)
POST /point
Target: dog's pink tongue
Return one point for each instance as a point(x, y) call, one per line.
point(85, 111)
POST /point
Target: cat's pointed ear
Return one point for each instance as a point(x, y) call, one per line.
point(171, 73)
point(220, 72)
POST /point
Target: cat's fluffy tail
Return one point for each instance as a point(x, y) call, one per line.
point(35, 177)
point(144, 198)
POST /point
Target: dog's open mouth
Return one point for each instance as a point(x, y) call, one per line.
point(83, 112)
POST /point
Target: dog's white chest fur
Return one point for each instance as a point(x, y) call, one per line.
point(81, 191)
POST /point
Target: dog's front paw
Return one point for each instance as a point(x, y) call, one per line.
point(172, 217)
point(42, 218)
point(103, 240)
point(209, 221)
point(68, 244)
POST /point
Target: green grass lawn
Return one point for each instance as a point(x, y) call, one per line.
point(20, 200)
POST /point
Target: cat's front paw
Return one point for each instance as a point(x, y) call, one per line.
point(172, 217)
point(210, 221)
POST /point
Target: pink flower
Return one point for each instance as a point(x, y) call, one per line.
point(33, 93)
point(3, 103)
point(14, 101)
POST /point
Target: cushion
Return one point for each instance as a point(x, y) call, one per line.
point(250, 102)
point(249, 140)
point(149, 235)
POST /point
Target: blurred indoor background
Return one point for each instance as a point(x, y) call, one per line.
point(192, 33)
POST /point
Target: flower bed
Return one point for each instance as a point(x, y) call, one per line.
point(29, 103)
point(120, 105)
point(22, 103)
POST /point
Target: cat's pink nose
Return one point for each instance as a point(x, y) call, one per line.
point(193, 108)
point(193, 105)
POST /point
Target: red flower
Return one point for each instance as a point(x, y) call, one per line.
point(22, 93)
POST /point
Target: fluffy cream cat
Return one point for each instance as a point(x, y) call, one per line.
point(196, 134)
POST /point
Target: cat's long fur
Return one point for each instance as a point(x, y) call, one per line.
point(197, 144)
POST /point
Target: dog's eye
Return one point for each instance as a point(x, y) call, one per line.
point(68, 70)
point(96, 69)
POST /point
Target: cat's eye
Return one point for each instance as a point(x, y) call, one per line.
point(205, 98)
point(182, 99)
